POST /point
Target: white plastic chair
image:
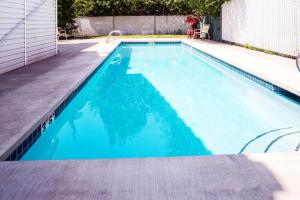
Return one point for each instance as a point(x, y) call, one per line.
point(203, 32)
point(62, 33)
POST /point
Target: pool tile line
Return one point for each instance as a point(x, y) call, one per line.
point(24, 147)
point(161, 43)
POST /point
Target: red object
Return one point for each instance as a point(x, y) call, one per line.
point(190, 33)
point(193, 23)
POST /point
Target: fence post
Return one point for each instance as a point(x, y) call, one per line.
point(221, 26)
point(114, 25)
point(154, 28)
point(56, 28)
point(25, 33)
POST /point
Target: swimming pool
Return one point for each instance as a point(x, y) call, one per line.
point(168, 99)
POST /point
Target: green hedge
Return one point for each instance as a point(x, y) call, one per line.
point(146, 7)
point(132, 7)
point(69, 9)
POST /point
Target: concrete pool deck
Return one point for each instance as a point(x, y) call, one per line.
point(29, 95)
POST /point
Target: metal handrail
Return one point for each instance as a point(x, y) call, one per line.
point(22, 20)
point(261, 135)
point(112, 34)
point(298, 62)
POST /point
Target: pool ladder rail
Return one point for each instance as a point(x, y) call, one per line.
point(298, 62)
point(115, 34)
point(273, 137)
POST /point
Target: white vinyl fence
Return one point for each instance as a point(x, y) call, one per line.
point(268, 24)
point(27, 32)
point(131, 25)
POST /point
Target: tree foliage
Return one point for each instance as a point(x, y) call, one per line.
point(66, 14)
point(69, 9)
point(145, 7)
point(207, 7)
point(132, 7)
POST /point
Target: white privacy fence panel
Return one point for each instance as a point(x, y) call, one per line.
point(135, 24)
point(131, 25)
point(27, 32)
point(268, 24)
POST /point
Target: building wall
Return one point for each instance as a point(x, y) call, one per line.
point(131, 25)
point(27, 32)
point(268, 24)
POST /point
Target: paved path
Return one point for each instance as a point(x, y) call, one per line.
point(252, 177)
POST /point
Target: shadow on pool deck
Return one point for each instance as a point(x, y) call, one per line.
point(215, 177)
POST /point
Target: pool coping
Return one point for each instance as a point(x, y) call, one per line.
point(16, 151)
point(279, 89)
point(273, 81)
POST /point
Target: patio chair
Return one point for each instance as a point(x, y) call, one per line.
point(62, 33)
point(203, 32)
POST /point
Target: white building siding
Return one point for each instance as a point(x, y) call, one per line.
point(268, 24)
point(26, 41)
point(12, 47)
point(41, 30)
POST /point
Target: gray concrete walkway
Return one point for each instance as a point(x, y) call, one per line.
point(239, 177)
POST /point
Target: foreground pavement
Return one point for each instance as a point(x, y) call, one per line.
point(260, 176)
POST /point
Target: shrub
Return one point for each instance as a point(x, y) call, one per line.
point(68, 10)
point(131, 7)
point(66, 14)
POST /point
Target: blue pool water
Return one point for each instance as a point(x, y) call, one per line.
point(153, 100)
